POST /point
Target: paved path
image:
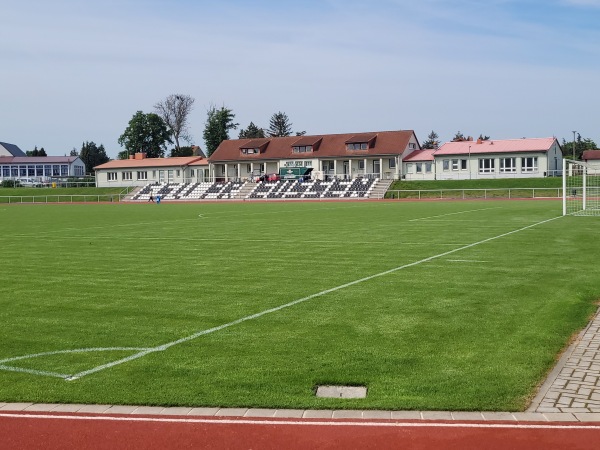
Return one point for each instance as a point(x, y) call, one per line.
point(573, 387)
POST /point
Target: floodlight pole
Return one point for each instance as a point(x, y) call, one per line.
point(574, 144)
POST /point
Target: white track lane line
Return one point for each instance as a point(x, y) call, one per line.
point(308, 422)
point(452, 214)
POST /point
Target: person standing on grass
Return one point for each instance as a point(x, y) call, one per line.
point(151, 198)
point(158, 199)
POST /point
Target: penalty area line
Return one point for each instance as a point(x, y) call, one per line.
point(298, 301)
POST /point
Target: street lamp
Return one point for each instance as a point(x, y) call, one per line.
point(574, 144)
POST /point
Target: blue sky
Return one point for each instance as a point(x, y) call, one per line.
point(75, 71)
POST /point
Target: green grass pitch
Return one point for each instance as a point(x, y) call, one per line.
point(431, 305)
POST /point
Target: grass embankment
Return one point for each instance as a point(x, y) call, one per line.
point(467, 322)
point(499, 188)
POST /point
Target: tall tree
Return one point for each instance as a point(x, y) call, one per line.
point(432, 141)
point(92, 155)
point(146, 133)
point(580, 146)
point(483, 138)
point(174, 111)
point(74, 152)
point(36, 152)
point(280, 125)
point(252, 132)
point(216, 129)
point(458, 137)
point(183, 151)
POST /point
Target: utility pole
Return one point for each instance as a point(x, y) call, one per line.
point(574, 144)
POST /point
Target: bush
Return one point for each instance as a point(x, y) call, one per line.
point(10, 183)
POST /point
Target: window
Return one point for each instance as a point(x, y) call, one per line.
point(14, 171)
point(55, 170)
point(192, 172)
point(446, 164)
point(64, 170)
point(248, 168)
point(529, 164)
point(127, 176)
point(23, 171)
point(412, 145)
point(358, 146)
point(392, 163)
point(409, 168)
point(39, 170)
point(419, 167)
point(178, 173)
point(143, 175)
point(508, 165)
point(428, 167)
point(6, 171)
point(250, 151)
point(31, 171)
point(486, 165)
point(154, 174)
point(463, 164)
point(455, 164)
point(111, 176)
point(79, 171)
point(302, 149)
point(361, 164)
point(48, 170)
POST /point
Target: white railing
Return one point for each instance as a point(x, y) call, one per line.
point(475, 193)
point(79, 198)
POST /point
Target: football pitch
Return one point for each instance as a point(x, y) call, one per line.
point(459, 305)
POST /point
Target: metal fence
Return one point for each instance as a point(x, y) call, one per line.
point(81, 198)
point(476, 193)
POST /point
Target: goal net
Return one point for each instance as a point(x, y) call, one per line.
point(581, 189)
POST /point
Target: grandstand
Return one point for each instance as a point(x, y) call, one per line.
point(266, 190)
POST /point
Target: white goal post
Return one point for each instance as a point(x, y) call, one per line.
point(581, 189)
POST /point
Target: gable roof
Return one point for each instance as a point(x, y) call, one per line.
point(591, 155)
point(497, 146)
point(176, 161)
point(10, 150)
point(38, 159)
point(329, 146)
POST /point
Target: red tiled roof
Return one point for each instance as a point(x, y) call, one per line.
point(331, 146)
point(308, 140)
point(178, 161)
point(255, 143)
point(591, 155)
point(496, 146)
point(420, 155)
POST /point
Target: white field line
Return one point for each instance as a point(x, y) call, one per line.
point(467, 260)
point(162, 347)
point(308, 422)
point(454, 213)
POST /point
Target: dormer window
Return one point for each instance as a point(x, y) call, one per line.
point(363, 141)
point(250, 151)
point(302, 149)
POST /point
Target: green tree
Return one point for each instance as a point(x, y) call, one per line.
point(432, 141)
point(280, 125)
point(92, 155)
point(36, 152)
point(183, 151)
point(483, 138)
point(174, 111)
point(252, 132)
point(146, 133)
point(459, 137)
point(216, 129)
point(581, 145)
point(74, 152)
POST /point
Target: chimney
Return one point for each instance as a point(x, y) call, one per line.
point(479, 141)
point(131, 157)
point(140, 156)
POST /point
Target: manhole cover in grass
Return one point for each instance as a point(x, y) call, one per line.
point(342, 391)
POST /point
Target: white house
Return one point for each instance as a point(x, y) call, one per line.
point(139, 171)
point(502, 158)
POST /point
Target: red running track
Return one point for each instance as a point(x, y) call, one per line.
point(76, 431)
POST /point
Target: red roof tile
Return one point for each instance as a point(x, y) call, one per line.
point(331, 146)
point(496, 146)
point(420, 155)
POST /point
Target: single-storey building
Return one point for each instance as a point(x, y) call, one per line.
point(374, 154)
point(498, 158)
point(592, 159)
point(139, 171)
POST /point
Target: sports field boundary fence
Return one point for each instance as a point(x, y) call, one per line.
point(478, 193)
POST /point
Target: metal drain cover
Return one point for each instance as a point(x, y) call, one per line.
point(342, 391)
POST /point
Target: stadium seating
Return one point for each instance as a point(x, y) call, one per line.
point(263, 190)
